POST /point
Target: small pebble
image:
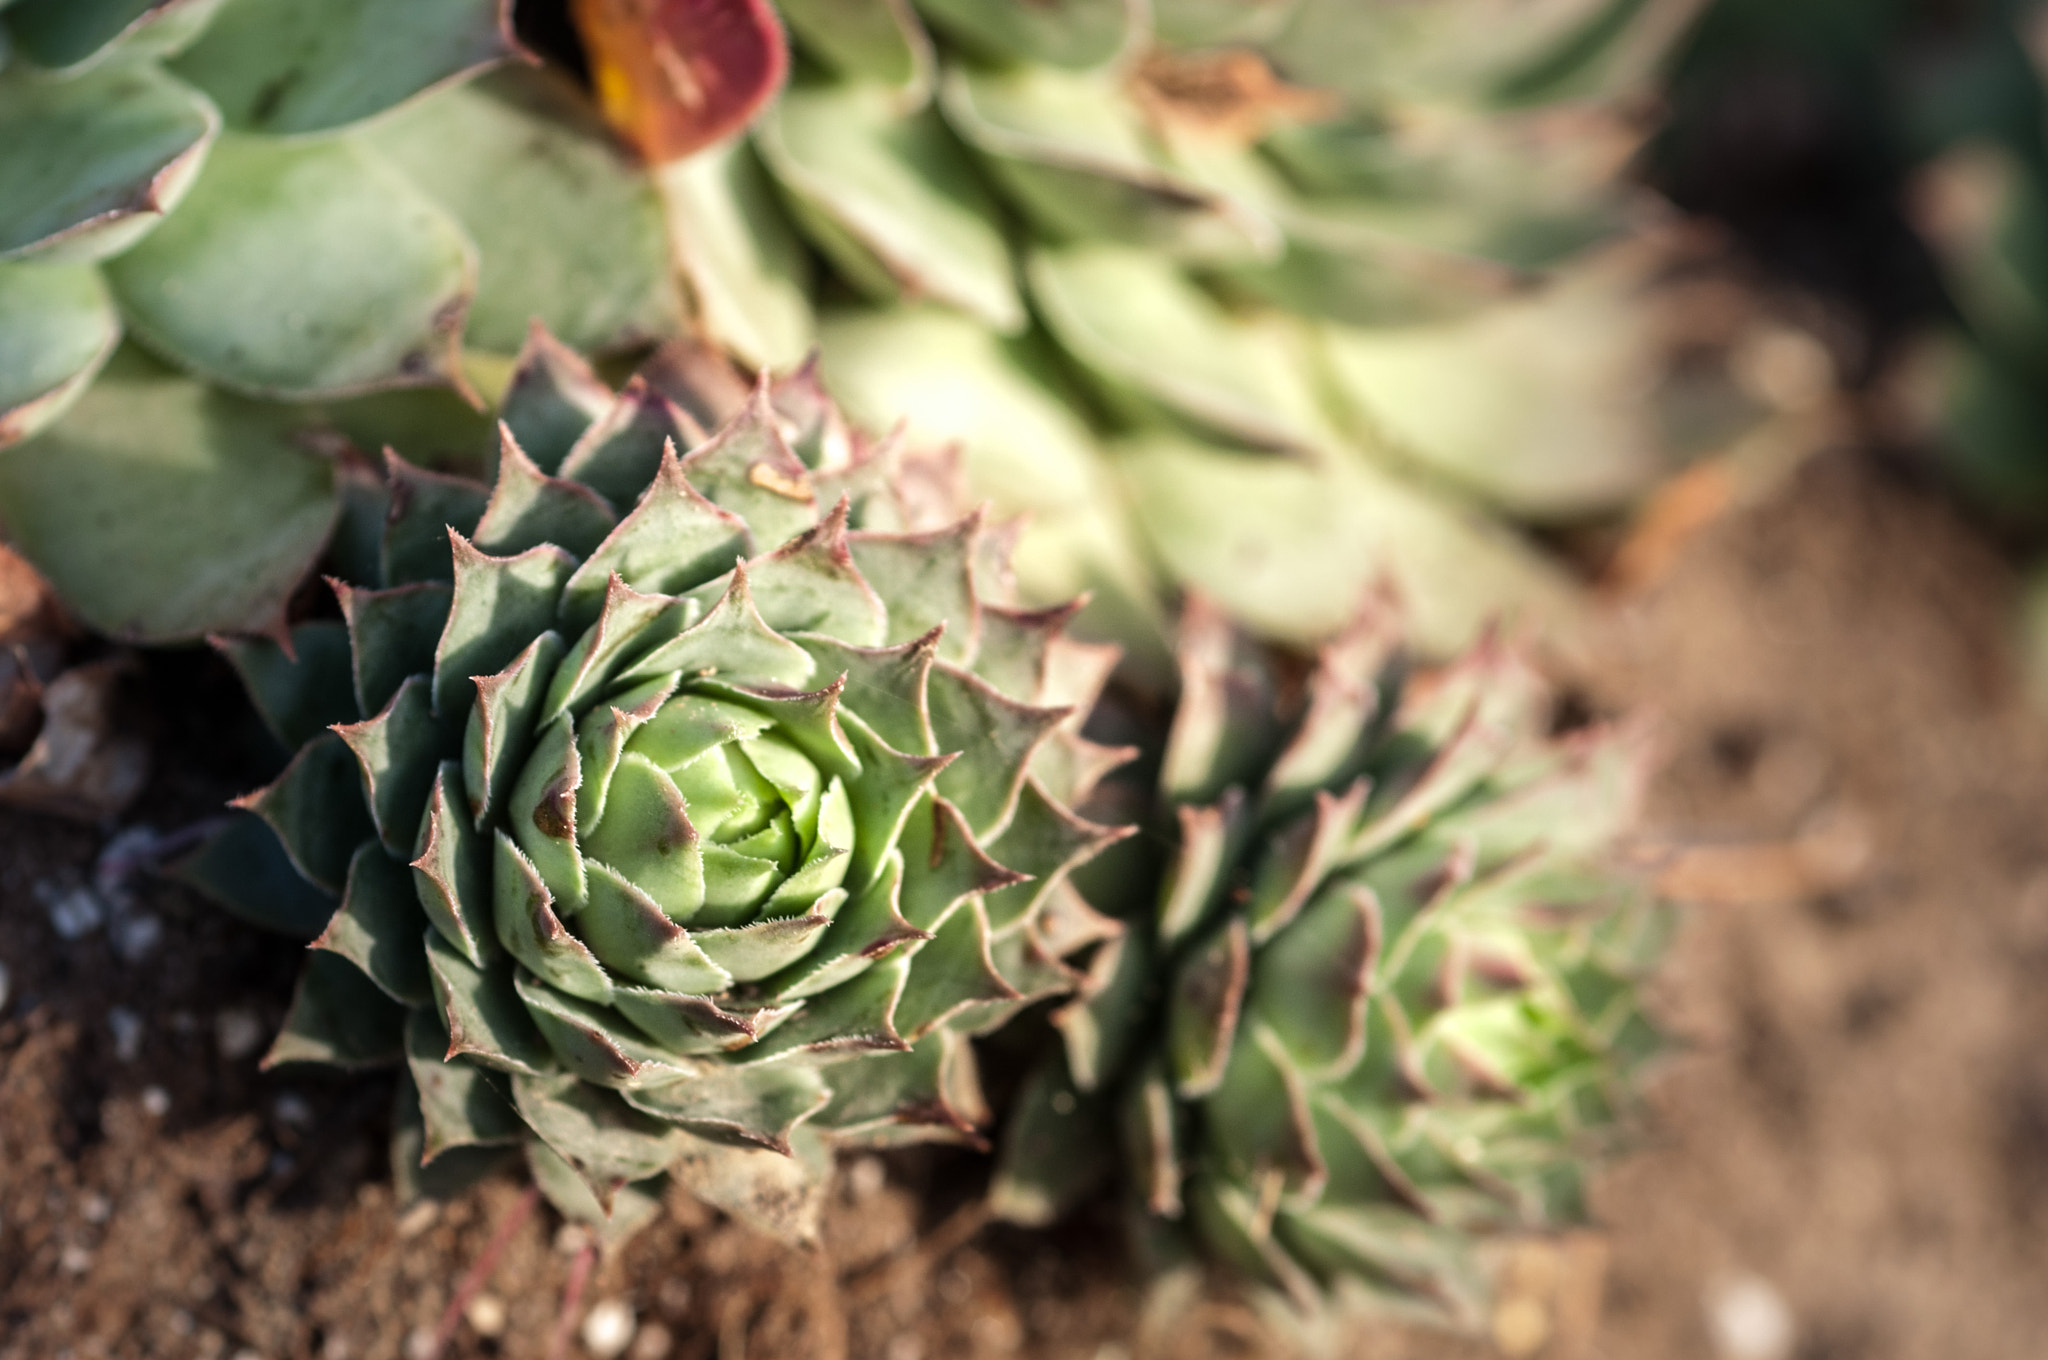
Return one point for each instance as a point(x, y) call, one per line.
point(653, 1343)
point(180, 1323)
point(75, 1260)
point(905, 1347)
point(281, 1164)
point(156, 1101)
point(571, 1238)
point(335, 1348)
point(74, 914)
point(486, 1313)
point(1749, 1320)
point(245, 1354)
point(419, 1218)
point(419, 1344)
point(97, 1208)
point(136, 937)
point(237, 1034)
point(866, 1177)
point(292, 1108)
point(608, 1329)
point(127, 1028)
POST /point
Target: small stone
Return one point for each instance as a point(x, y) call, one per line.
point(180, 1323)
point(608, 1329)
point(97, 1208)
point(136, 937)
point(335, 1348)
point(74, 1260)
point(486, 1314)
point(281, 1164)
point(292, 1108)
point(419, 1218)
point(419, 1344)
point(245, 1354)
point(127, 1028)
point(904, 1347)
point(156, 1101)
point(866, 1177)
point(74, 913)
point(571, 1238)
point(237, 1033)
point(653, 1343)
point(1749, 1320)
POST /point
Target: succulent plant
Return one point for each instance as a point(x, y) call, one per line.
point(330, 222)
point(1121, 251)
point(1379, 1001)
point(688, 802)
point(1115, 255)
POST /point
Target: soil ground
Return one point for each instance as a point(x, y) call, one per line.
point(1846, 1160)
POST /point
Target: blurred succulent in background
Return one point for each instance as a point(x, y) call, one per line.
point(1379, 999)
point(683, 813)
point(1271, 299)
point(325, 219)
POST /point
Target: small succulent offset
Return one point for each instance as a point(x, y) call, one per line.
point(1387, 1000)
point(683, 810)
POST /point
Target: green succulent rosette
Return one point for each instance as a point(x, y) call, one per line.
point(1125, 254)
point(1382, 1002)
point(674, 803)
point(1160, 244)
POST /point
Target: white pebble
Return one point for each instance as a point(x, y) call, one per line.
point(156, 1101)
point(419, 1344)
point(1749, 1319)
point(136, 937)
point(608, 1329)
point(245, 1354)
point(904, 1347)
point(419, 1218)
point(127, 1028)
point(571, 1238)
point(291, 1108)
point(237, 1034)
point(486, 1313)
point(97, 1208)
point(866, 1177)
point(74, 914)
point(75, 1260)
point(334, 1348)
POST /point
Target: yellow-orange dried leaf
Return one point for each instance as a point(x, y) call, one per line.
point(675, 76)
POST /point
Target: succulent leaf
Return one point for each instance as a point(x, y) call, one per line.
point(282, 68)
point(568, 228)
point(58, 328)
point(226, 513)
point(300, 270)
point(96, 162)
